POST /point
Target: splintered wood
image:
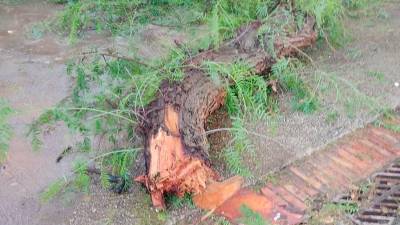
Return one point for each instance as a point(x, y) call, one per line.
point(170, 169)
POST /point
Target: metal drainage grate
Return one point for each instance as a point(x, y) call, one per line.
point(385, 207)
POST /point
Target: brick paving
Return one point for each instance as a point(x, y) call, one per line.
point(333, 170)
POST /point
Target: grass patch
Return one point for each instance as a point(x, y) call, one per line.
point(223, 17)
point(303, 98)
point(176, 202)
point(250, 217)
point(222, 221)
point(387, 121)
point(162, 216)
point(5, 129)
point(332, 117)
point(82, 179)
point(53, 190)
point(125, 17)
point(377, 75)
point(331, 212)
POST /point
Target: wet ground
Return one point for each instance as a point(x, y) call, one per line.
point(353, 84)
point(33, 78)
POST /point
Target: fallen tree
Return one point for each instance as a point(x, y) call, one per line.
point(176, 146)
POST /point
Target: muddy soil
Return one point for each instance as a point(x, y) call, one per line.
point(33, 78)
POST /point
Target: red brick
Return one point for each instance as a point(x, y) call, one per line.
point(274, 197)
point(358, 163)
point(301, 184)
point(347, 175)
point(292, 199)
point(386, 134)
point(337, 179)
point(286, 196)
point(296, 191)
point(366, 151)
point(345, 163)
point(288, 214)
point(323, 162)
point(258, 203)
point(382, 143)
point(311, 181)
point(320, 174)
point(382, 151)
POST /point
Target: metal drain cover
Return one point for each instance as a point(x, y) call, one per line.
point(385, 207)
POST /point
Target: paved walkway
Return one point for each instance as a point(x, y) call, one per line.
point(330, 171)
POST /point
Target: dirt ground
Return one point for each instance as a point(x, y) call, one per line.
point(33, 78)
point(354, 83)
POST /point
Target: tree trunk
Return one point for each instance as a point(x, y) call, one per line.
point(176, 147)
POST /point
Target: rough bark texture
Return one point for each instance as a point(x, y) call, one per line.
point(176, 147)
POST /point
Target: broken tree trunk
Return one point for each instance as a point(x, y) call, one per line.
point(176, 147)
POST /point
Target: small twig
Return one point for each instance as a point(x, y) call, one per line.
point(105, 60)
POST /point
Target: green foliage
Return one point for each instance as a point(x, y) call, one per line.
point(332, 117)
point(303, 98)
point(248, 95)
point(355, 4)
point(162, 216)
point(222, 221)
point(124, 17)
point(176, 202)
point(81, 179)
point(348, 207)
point(328, 15)
point(49, 117)
point(387, 121)
point(249, 217)
point(272, 178)
point(377, 75)
point(5, 129)
point(118, 164)
point(52, 190)
point(241, 145)
point(332, 210)
point(228, 15)
point(105, 103)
